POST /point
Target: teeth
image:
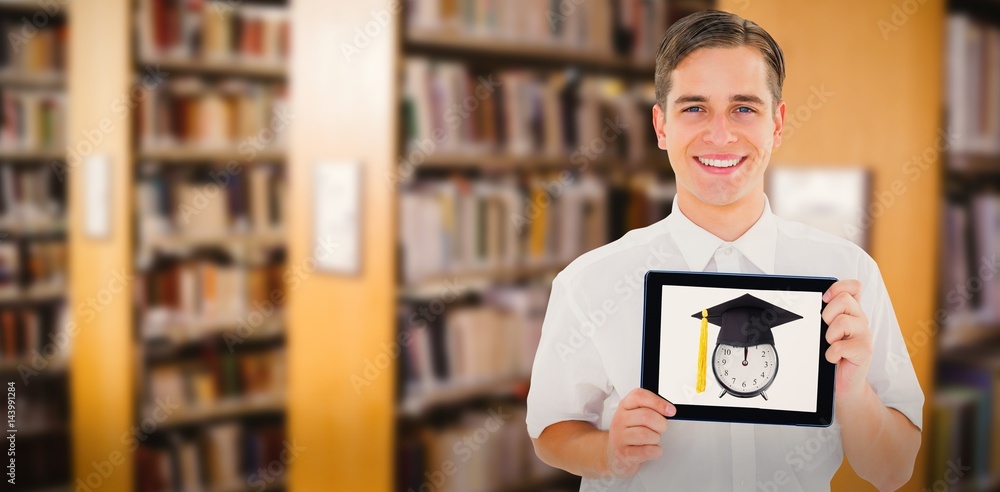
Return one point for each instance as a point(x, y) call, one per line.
point(718, 163)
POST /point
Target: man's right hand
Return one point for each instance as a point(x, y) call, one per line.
point(634, 435)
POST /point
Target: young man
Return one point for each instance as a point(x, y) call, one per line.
point(718, 115)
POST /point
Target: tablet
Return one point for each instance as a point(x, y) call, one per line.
point(742, 348)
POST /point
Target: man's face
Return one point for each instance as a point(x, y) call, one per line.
point(720, 124)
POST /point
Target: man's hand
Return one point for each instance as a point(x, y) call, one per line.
point(634, 435)
point(849, 337)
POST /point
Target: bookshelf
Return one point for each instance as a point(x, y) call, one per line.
point(33, 243)
point(576, 81)
point(965, 407)
point(210, 247)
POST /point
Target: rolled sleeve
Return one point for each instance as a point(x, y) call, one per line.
point(568, 377)
point(891, 374)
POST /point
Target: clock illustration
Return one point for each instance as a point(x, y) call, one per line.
point(745, 360)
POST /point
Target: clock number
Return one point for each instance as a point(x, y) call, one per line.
point(762, 375)
point(726, 373)
point(734, 380)
point(744, 384)
point(763, 354)
point(754, 381)
point(723, 361)
point(727, 352)
point(765, 363)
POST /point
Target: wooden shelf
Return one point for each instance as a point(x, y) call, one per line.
point(177, 335)
point(558, 56)
point(451, 393)
point(967, 337)
point(46, 80)
point(55, 367)
point(474, 281)
point(29, 6)
point(183, 241)
point(509, 162)
point(48, 229)
point(43, 293)
point(194, 155)
point(973, 164)
point(46, 155)
point(220, 67)
point(225, 409)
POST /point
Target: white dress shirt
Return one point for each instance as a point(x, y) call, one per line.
point(590, 350)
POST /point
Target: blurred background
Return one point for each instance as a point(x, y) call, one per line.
point(307, 245)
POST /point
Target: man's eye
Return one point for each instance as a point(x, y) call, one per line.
point(692, 109)
point(745, 109)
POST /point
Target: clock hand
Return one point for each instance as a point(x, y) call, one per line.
point(746, 351)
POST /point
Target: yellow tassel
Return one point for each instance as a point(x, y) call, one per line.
point(702, 352)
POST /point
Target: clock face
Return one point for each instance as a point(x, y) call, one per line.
point(745, 371)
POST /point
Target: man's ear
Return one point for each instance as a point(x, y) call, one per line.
point(660, 126)
point(779, 123)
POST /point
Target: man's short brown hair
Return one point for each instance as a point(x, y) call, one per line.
point(716, 29)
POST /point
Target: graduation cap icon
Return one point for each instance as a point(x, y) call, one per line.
point(744, 322)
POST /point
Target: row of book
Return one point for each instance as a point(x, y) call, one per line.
point(973, 84)
point(42, 462)
point(461, 225)
point(966, 418)
point(33, 332)
point(492, 340)
point(225, 456)
point(247, 116)
point(209, 201)
point(628, 28)
point(188, 297)
point(449, 108)
point(216, 377)
point(484, 450)
point(42, 406)
point(37, 49)
point(35, 265)
point(212, 30)
point(30, 195)
point(969, 262)
point(32, 119)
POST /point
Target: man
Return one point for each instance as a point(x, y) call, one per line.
point(718, 115)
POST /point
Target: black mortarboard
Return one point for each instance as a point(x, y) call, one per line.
point(747, 320)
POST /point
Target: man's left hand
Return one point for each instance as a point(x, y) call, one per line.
point(849, 337)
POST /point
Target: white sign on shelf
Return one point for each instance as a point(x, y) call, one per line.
point(337, 216)
point(97, 196)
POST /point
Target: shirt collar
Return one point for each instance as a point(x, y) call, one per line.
point(698, 245)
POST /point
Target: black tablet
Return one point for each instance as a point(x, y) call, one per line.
point(738, 347)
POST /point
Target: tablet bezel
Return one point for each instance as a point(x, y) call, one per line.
point(650, 375)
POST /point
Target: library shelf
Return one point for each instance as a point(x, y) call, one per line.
point(227, 67)
point(33, 295)
point(37, 80)
point(453, 392)
point(221, 410)
point(190, 155)
point(450, 43)
point(35, 155)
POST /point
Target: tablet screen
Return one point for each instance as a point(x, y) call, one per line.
point(744, 373)
point(731, 347)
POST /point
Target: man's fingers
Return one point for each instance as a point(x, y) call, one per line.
point(645, 417)
point(853, 350)
point(842, 303)
point(641, 397)
point(843, 327)
point(640, 436)
point(640, 454)
point(851, 286)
